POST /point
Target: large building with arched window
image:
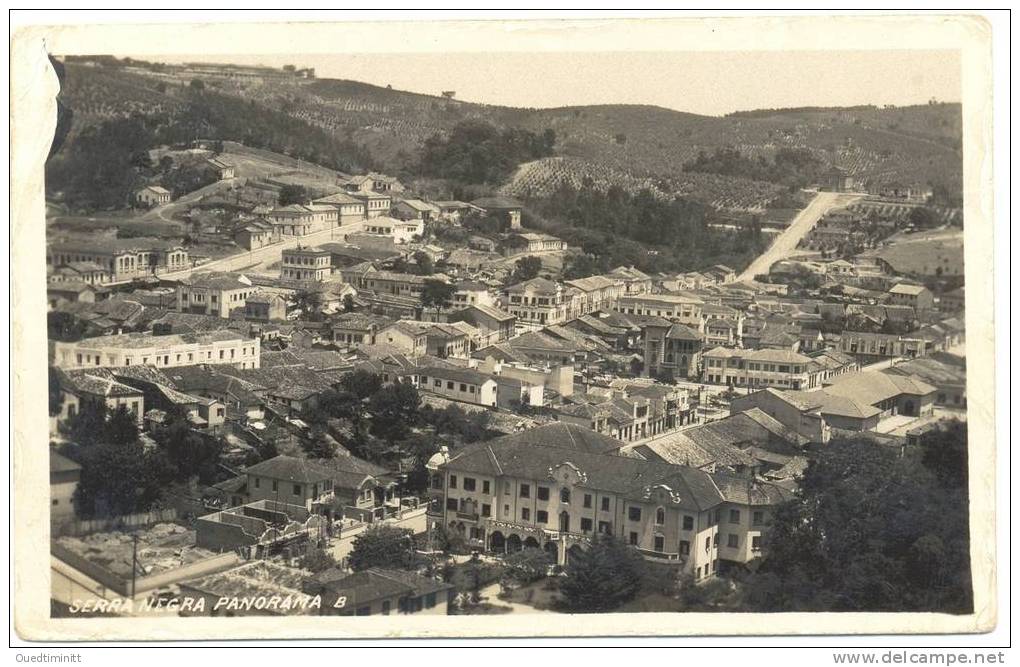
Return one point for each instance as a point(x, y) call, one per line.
point(557, 486)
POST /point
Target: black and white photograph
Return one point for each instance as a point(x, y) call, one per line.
point(541, 335)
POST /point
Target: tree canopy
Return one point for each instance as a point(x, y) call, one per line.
point(385, 547)
point(871, 530)
point(603, 576)
point(478, 152)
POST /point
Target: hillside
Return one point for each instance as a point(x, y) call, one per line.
point(627, 145)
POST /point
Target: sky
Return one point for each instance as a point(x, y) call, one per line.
point(711, 83)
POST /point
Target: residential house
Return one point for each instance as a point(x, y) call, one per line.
point(503, 209)
point(214, 293)
point(152, 195)
point(380, 592)
point(305, 264)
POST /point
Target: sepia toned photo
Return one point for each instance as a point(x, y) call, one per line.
point(542, 335)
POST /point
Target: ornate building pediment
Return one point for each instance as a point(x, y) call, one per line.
point(568, 474)
point(661, 493)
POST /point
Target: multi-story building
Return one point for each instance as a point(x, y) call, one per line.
point(760, 368)
point(557, 486)
point(671, 349)
point(416, 209)
point(376, 203)
point(674, 306)
point(306, 264)
point(214, 293)
point(872, 347)
point(124, 259)
point(265, 307)
point(917, 297)
point(634, 280)
point(590, 295)
point(405, 335)
point(216, 347)
point(295, 220)
point(352, 330)
point(350, 209)
point(536, 303)
point(496, 325)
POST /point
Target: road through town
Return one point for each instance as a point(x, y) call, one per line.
point(787, 241)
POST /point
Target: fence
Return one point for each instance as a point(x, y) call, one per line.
point(76, 528)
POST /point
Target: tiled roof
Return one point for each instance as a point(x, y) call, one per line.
point(291, 469)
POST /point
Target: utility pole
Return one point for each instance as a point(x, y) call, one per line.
point(134, 564)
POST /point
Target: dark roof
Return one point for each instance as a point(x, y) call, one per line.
point(291, 469)
point(60, 463)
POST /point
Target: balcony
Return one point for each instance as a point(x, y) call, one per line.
point(659, 555)
point(467, 516)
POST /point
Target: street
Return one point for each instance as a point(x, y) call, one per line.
point(787, 241)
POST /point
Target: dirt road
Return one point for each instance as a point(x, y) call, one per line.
point(787, 241)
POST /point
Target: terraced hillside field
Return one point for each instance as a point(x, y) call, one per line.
point(624, 144)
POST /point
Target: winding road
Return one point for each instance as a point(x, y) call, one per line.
point(787, 241)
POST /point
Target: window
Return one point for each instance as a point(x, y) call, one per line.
point(708, 543)
point(486, 510)
point(734, 516)
point(449, 385)
point(633, 538)
point(543, 493)
point(688, 522)
point(506, 488)
point(756, 543)
point(732, 541)
point(506, 510)
point(469, 483)
point(605, 504)
point(715, 540)
point(634, 513)
point(685, 548)
point(605, 528)
point(758, 518)
point(565, 495)
point(660, 543)
point(275, 485)
point(485, 487)
point(660, 516)
point(258, 482)
point(541, 516)
point(525, 490)
point(437, 481)
point(297, 489)
point(451, 504)
point(586, 525)
point(525, 514)
point(587, 500)
point(453, 481)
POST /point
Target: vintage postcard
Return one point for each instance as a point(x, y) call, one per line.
point(503, 328)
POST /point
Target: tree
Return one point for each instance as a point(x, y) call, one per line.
point(394, 409)
point(525, 566)
point(869, 530)
point(362, 383)
point(424, 263)
point(923, 217)
point(317, 560)
point(197, 84)
point(526, 268)
point(385, 547)
point(602, 577)
point(436, 294)
point(190, 453)
point(348, 303)
point(319, 444)
point(293, 194)
point(56, 395)
point(334, 404)
point(944, 452)
point(309, 301)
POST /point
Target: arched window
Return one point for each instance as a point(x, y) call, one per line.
point(660, 516)
point(564, 495)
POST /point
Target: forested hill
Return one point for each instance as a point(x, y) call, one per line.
point(352, 125)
